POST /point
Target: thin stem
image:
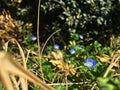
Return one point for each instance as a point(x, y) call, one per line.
point(48, 40)
point(38, 39)
point(66, 82)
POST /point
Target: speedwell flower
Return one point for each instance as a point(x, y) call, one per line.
point(33, 38)
point(56, 46)
point(81, 36)
point(72, 51)
point(90, 63)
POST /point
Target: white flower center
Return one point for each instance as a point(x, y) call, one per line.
point(90, 63)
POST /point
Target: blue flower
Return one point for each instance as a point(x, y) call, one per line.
point(72, 51)
point(33, 38)
point(90, 63)
point(81, 36)
point(56, 46)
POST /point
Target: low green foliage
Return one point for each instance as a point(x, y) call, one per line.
point(75, 63)
point(108, 83)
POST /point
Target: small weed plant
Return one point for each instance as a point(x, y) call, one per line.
point(77, 66)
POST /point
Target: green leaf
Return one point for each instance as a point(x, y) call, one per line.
point(60, 87)
point(97, 44)
point(75, 36)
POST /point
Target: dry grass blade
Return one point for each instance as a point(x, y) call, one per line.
point(115, 59)
point(113, 62)
point(23, 81)
point(15, 83)
point(15, 69)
